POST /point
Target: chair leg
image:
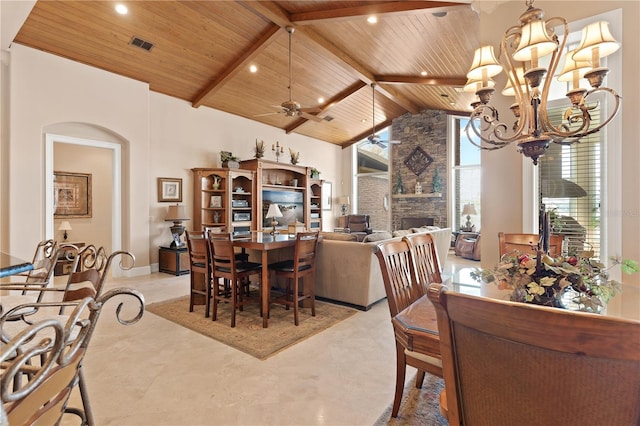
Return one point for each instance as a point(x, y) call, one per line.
point(207, 309)
point(401, 369)
point(312, 294)
point(191, 294)
point(296, 304)
point(84, 395)
point(419, 379)
point(234, 302)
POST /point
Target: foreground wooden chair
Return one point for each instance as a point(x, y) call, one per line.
point(301, 267)
point(425, 258)
point(516, 363)
point(200, 276)
point(402, 288)
point(528, 243)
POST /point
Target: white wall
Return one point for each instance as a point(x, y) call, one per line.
point(163, 137)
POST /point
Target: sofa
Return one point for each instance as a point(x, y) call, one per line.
point(348, 272)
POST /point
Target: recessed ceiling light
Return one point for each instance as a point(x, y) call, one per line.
point(364, 120)
point(320, 100)
point(372, 19)
point(439, 14)
point(121, 9)
point(423, 73)
point(253, 68)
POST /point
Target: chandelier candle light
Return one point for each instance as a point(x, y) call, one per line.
point(521, 52)
point(273, 213)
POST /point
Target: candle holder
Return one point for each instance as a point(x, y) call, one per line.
point(278, 150)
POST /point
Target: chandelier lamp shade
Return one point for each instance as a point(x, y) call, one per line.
point(524, 49)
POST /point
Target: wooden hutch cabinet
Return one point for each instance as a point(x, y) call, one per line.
point(291, 187)
point(224, 199)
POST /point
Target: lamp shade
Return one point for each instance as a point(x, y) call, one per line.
point(65, 226)
point(176, 213)
point(274, 210)
point(508, 88)
point(484, 60)
point(472, 86)
point(596, 36)
point(469, 209)
point(343, 200)
point(535, 42)
point(571, 66)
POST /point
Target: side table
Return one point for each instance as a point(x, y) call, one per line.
point(174, 260)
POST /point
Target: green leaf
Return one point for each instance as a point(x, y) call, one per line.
point(629, 266)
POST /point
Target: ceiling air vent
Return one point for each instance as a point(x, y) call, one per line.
point(327, 118)
point(142, 44)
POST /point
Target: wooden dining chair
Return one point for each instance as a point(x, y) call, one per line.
point(528, 243)
point(401, 286)
point(200, 271)
point(518, 363)
point(300, 274)
point(224, 266)
point(425, 258)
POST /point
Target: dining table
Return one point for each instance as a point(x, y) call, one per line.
point(416, 327)
point(11, 265)
point(264, 242)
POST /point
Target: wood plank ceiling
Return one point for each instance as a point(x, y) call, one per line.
point(202, 51)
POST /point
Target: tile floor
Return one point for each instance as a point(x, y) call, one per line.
point(158, 373)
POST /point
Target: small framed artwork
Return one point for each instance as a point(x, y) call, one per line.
point(170, 190)
point(216, 201)
point(71, 195)
point(326, 196)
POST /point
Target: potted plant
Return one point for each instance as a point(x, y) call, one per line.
point(229, 160)
point(295, 156)
point(315, 174)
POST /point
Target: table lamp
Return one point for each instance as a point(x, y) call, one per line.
point(177, 214)
point(344, 202)
point(65, 226)
point(468, 209)
point(273, 213)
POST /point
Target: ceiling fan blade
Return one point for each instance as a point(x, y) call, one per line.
point(311, 110)
point(267, 113)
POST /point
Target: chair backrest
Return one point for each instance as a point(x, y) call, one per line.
point(197, 247)
point(398, 274)
point(223, 257)
point(425, 259)
point(516, 363)
point(528, 243)
point(304, 258)
point(44, 262)
point(358, 222)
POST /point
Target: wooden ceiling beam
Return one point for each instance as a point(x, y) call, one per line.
point(236, 66)
point(328, 104)
point(330, 15)
point(270, 11)
point(430, 81)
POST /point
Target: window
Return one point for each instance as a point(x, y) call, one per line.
point(465, 175)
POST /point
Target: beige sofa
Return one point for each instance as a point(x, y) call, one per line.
point(347, 271)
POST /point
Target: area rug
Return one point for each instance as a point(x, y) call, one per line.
point(418, 406)
point(248, 335)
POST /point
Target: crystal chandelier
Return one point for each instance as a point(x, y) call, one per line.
point(522, 51)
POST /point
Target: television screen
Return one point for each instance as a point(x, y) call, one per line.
point(291, 204)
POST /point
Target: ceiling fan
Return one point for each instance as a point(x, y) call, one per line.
point(292, 108)
point(374, 139)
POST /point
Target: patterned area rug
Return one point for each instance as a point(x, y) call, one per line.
point(248, 335)
point(418, 406)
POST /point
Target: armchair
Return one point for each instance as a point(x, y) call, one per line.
point(358, 225)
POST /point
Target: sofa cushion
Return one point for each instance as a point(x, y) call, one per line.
point(377, 236)
point(401, 232)
point(341, 236)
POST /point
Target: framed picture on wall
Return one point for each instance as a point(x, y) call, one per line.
point(326, 195)
point(71, 195)
point(170, 190)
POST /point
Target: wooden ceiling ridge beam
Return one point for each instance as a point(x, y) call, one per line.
point(344, 94)
point(454, 80)
point(328, 15)
point(270, 11)
point(238, 64)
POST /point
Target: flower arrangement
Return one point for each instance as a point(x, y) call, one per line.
point(544, 280)
point(228, 159)
point(295, 156)
point(315, 174)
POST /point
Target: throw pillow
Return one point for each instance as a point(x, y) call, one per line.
point(376, 236)
point(401, 232)
point(338, 236)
